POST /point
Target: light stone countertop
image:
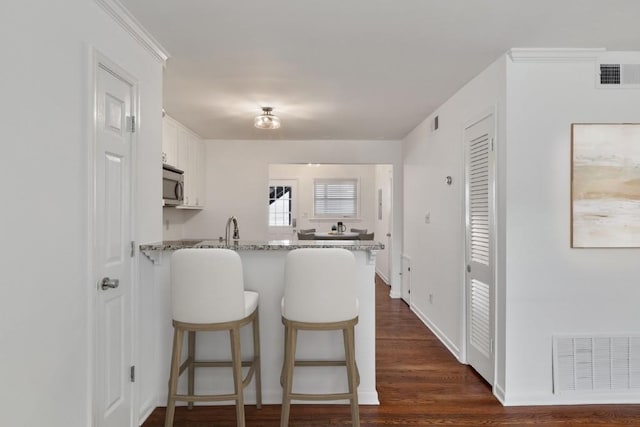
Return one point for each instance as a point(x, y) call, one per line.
point(263, 245)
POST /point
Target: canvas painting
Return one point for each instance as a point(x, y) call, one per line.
point(605, 186)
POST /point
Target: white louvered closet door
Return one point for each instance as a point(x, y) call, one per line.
point(480, 294)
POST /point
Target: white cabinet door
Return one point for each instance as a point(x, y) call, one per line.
point(169, 142)
point(184, 163)
point(200, 173)
point(193, 172)
point(197, 169)
point(190, 155)
point(183, 149)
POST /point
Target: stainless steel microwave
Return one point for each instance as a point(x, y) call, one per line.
point(172, 186)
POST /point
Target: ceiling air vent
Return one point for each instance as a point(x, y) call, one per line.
point(619, 75)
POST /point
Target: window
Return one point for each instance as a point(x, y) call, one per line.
point(335, 198)
point(280, 205)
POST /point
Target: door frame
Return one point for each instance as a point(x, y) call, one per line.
point(97, 60)
point(490, 111)
point(390, 229)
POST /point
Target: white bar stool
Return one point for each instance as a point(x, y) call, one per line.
point(207, 294)
point(320, 295)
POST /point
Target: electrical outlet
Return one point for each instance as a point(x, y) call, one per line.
point(427, 218)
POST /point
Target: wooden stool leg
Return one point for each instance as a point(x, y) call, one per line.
point(256, 359)
point(284, 355)
point(289, 362)
point(173, 376)
point(350, 359)
point(237, 375)
point(192, 370)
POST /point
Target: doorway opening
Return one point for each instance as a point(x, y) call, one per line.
point(317, 196)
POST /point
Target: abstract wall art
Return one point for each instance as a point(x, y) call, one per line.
point(605, 186)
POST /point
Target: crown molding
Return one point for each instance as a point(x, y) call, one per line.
point(554, 54)
point(127, 21)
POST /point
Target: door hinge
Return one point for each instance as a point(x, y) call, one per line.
point(132, 374)
point(131, 124)
point(491, 144)
point(492, 346)
point(132, 253)
point(468, 268)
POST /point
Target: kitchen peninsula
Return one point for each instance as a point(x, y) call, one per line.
point(263, 269)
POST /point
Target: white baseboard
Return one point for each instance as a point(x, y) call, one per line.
point(498, 392)
point(145, 414)
point(384, 278)
point(437, 332)
point(394, 294)
point(546, 399)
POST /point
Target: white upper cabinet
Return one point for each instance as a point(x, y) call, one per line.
point(200, 172)
point(170, 141)
point(188, 156)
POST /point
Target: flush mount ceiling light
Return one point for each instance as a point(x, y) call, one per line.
point(267, 120)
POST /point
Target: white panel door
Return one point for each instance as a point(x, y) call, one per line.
point(283, 209)
point(114, 107)
point(480, 293)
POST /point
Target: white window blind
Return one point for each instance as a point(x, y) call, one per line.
point(336, 198)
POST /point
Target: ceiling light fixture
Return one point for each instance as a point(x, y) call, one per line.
point(267, 120)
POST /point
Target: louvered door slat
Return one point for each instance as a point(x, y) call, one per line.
point(478, 198)
point(480, 336)
point(479, 248)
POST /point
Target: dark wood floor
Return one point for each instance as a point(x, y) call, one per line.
point(419, 384)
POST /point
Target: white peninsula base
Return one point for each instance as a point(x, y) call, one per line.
point(263, 267)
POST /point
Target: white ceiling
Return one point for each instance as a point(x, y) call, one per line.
point(352, 69)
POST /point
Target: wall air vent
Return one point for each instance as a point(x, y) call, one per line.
point(619, 75)
point(609, 74)
point(596, 363)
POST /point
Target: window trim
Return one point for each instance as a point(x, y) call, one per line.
point(355, 216)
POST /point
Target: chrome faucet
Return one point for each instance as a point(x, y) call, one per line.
point(227, 230)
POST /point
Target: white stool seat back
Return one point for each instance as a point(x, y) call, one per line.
point(207, 294)
point(250, 302)
point(320, 285)
point(207, 286)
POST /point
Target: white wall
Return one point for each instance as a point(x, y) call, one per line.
point(436, 249)
point(45, 289)
point(237, 174)
point(305, 175)
point(552, 288)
